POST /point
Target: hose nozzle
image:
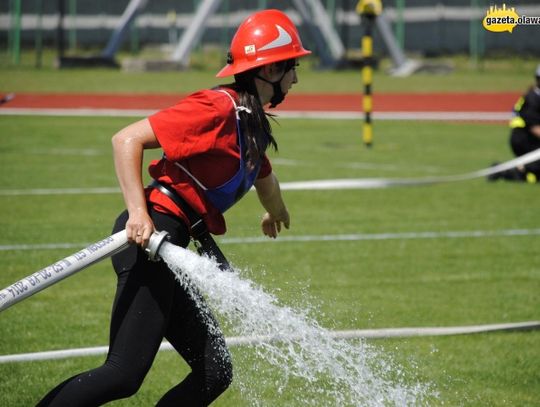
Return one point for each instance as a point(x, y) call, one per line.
point(156, 240)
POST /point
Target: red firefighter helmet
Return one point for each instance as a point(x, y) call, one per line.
point(264, 37)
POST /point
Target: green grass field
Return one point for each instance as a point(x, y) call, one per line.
point(399, 282)
point(492, 75)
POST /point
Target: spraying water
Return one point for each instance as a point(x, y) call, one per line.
point(294, 356)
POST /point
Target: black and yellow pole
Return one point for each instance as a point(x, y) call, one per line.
point(368, 10)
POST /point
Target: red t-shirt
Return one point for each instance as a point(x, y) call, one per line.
point(200, 133)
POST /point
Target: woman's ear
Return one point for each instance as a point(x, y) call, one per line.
point(265, 71)
point(270, 72)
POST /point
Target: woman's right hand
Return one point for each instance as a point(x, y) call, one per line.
point(139, 227)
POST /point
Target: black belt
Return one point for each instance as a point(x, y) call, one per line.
point(206, 243)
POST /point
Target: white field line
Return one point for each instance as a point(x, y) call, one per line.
point(355, 165)
point(383, 236)
point(246, 340)
point(299, 114)
point(318, 238)
point(328, 184)
point(85, 152)
point(59, 191)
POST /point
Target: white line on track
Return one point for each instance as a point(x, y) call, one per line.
point(247, 340)
point(318, 238)
point(345, 115)
point(435, 116)
point(30, 111)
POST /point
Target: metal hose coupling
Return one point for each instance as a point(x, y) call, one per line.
point(154, 244)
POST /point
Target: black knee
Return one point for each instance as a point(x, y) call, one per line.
point(217, 377)
point(124, 384)
point(203, 385)
point(222, 377)
point(127, 388)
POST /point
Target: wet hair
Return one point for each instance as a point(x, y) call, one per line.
point(255, 126)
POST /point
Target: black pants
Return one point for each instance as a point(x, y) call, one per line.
point(151, 305)
point(523, 142)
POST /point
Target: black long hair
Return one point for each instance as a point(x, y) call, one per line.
point(255, 126)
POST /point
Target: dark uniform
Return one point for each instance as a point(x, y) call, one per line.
point(522, 140)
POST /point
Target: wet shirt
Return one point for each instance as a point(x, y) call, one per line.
point(200, 133)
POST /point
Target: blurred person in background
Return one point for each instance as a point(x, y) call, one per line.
point(214, 143)
point(525, 135)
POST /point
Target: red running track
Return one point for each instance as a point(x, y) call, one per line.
point(382, 102)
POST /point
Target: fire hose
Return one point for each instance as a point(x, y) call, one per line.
point(70, 265)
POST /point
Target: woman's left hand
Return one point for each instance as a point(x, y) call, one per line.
point(271, 224)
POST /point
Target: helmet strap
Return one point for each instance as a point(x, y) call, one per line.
point(278, 95)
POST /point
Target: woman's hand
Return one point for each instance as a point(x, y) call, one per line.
point(270, 196)
point(139, 227)
point(271, 225)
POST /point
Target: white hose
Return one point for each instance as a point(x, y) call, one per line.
point(56, 272)
point(373, 183)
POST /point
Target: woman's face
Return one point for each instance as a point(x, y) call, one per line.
point(273, 73)
point(289, 79)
